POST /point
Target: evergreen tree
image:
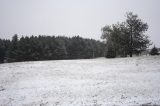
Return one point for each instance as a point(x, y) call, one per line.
point(4, 45)
point(12, 53)
point(2, 51)
point(60, 51)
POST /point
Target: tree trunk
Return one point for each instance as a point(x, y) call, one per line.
point(93, 54)
point(131, 44)
point(130, 54)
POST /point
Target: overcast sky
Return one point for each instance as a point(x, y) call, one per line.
point(74, 17)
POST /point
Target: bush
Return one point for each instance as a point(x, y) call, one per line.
point(154, 51)
point(111, 53)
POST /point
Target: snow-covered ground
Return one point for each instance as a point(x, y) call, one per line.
point(90, 82)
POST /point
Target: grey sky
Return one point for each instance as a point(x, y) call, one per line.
point(74, 17)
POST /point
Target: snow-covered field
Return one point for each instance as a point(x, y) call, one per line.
point(90, 82)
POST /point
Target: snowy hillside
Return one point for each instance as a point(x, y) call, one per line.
point(90, 82)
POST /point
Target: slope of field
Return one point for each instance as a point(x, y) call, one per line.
point(90, 82)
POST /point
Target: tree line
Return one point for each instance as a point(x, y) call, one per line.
point(49, 48)
point(121, 39)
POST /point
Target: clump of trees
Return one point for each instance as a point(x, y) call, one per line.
point(126, 38)
point(154, 51)
point(49, 48)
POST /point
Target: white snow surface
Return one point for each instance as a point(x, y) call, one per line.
point(85, 82)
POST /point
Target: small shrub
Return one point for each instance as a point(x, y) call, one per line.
point(154, 51)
